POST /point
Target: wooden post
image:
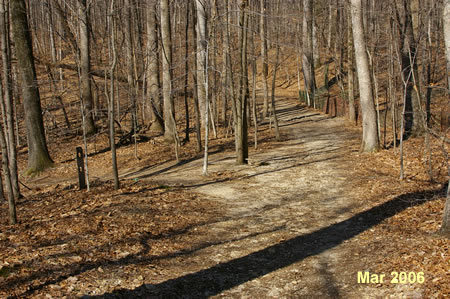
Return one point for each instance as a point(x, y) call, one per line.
point(80, 164)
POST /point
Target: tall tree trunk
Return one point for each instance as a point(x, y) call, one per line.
point(201, 57)
point(8, 97)
point(186, 73)
point(169, 118)
point(153, 80)
point(274, 110)
point(111, 98)
point(445, 228)
point(138, 53)
point(315, 39)
point(370, 131)
point(265, 63)
point(6, 174)
point(225, 63)
point(54, 55)
point(446, 23)
point(351, 72)
point(129, 45)
point(213, 38)
point(241, 131)
point(414, 120)
point(274, 78)
point(254, 73)
point(38, 156)
point(131, 74)
point(308, 56)
point(194, 77)
point(207, 109)
point(85, 67)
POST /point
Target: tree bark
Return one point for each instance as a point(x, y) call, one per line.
point(446, 23)
point(274, 110)
point(275, 69)
point(169, 118)
point(308, 55)
point(38, 156)
point(241, 132)
point(153, 79)
point(445, 228)
point(414, 120)
point(85, 68)
point(186, 74)
point(194, 78)
point(315, 39)
point(265, 64)
point(206, 127)
point(370, 131)
point(130, 64)
point(201, 57)
point(225, 63)
point(351, 73)
point(6, 173)
point(111, 99)
point(8, 98)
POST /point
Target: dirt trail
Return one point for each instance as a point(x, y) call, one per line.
point(285, 225)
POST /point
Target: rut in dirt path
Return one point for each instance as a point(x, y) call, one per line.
point(287, 215)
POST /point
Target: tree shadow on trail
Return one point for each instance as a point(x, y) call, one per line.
point(224, 276)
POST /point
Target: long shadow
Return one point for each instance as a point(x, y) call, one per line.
point(295, 110)
point(133, 259)
point(166, 169)
point(223, 180)
point(216, 279)
point(305, 120)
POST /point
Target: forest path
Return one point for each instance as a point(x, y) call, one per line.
point(285, 219)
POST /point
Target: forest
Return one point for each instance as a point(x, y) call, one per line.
point(225, 149)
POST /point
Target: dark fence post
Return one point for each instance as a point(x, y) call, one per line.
point(80, 164)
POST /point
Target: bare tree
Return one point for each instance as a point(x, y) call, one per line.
point(38, 156)
point(207, 109)
point(370, 130)
point(201, 57)
point(351, 72)
point(186, 74)
point(8, 98)
point(308, 55)
point(241, 131)
point(6, 173)
point(153, 80)
point(264, 57)
point(131, 67)
point(445, 228)
point(414, 121)
point(194, 77)
point(275, 69)
point(85, 67)
point(166, 36)
point(111, 113)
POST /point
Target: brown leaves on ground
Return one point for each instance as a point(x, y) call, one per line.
point(69, 241)
point(408, 241)
point(68, 237)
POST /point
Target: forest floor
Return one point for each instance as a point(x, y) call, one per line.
point(300, 221)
